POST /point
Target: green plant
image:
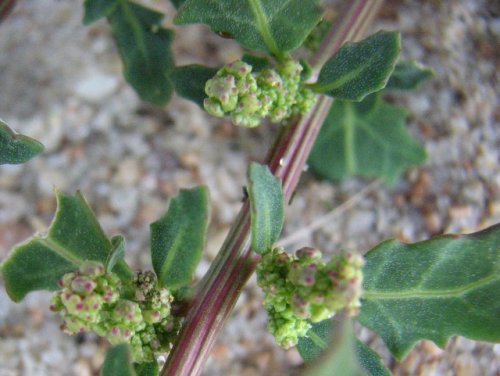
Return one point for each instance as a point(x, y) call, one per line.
point(402, 283)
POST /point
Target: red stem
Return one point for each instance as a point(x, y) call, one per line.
point(235, 262)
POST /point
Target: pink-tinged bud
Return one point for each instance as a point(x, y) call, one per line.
point(308, 253)
point(83, 285)
point(115, 331)
point(60, 282)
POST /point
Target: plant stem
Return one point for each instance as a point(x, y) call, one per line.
point(234, 264)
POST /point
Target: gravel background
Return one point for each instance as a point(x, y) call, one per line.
point(62, 84)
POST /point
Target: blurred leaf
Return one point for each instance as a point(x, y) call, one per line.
point(16, 148)
point(146, 369)
point(189, 81)
point(145, 50)
point(339, 357)
point(177, 238)
point(266, 202)
point(178, 3)
point(275, 26)
point(118, 362)
point(97, 9)
point(434, 289)
point(73, 237)
point(368, 139)
point(408, 75)
point(116, 254)
point(358, 69)
point(320, 334)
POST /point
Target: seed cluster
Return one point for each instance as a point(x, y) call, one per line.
point(301, 288)
point(92, 300)
point(249, 97)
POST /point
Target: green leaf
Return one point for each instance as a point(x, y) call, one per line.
point(145, 50)
point(118, 362)
point(368, 139)
point(116, 254)
point(73, 237)
point(275, 26)
point(358, 69)
point(267, 207)
point(16, 148)
point(178, 3)
point(258, 63)
point(434, 289)
point(339, 357)
point(408, 75)
point(146, 369)
point(189, 81)
point(177, 238)
point(319, 335)
point(97, 9)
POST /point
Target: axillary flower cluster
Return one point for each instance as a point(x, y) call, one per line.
point(302, 289)
point(249, 97)
point(92, 300)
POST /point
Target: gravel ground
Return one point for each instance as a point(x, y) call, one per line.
point(62, 84)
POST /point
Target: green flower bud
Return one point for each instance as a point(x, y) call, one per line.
point(250, 97)
point(302, 289)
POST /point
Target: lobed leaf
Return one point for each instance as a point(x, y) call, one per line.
point(96, 9)
point(267, 207)
point(358, 69)
point(189, 81)
point(434, 289)
point(73, 237)
point(338, 357)
point(312, 346)
point(118, 361)
point(177, 238)
point(368, 139)
point(145, 50)
point(16, 148)
point(408, 75)
point(274, 26)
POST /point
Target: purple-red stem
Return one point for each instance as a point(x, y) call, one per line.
point(235, 262)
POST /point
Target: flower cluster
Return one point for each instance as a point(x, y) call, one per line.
point(92, 300)
point(249, 97)
point(301, 288)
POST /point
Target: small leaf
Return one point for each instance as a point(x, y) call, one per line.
point(275, 26)
point(368, 139)
point(73, 237)
point(118, 362)
point(97, 9)
point(358, 69)
point(267, 207)
point(189, 81)
point(434, 289)
point(16, 148)
point(116, 254)
point(177, 238)
point(146, 369)
point(339, 358)
point(319, 335)
point(408, 75)
point(145, 50)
